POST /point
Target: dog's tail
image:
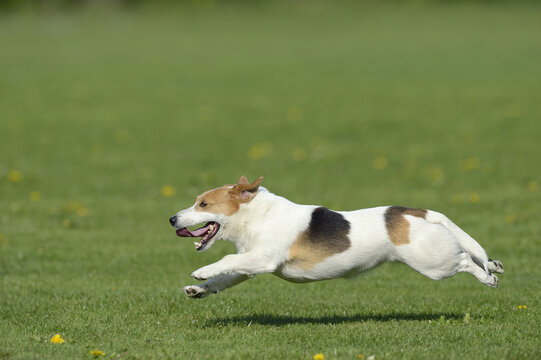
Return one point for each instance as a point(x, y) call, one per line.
point(466, 242)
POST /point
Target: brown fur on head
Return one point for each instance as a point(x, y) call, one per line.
point(227, 199)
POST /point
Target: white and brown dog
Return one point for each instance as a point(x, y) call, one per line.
point(303, 243)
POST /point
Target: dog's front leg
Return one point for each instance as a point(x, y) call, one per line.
point(214, 285)
point(249, 263)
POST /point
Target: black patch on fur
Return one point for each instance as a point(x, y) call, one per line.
point(328, 230)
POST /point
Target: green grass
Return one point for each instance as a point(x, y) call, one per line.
point(428, 105)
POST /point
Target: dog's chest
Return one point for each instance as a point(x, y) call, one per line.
point(327, 235)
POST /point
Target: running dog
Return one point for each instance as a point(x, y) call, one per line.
point(301, 243)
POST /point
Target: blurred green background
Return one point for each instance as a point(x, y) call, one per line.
point(113, 116)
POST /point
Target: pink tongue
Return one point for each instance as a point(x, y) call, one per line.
point(196, 233)
point(200, 232)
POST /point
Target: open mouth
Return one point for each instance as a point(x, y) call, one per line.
point(206, 233)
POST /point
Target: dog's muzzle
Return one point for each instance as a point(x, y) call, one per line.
point(173, 220)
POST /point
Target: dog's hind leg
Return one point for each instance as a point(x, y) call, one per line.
point(435, 252)
point(466, 242)
point(466, 264)
point(214, 285)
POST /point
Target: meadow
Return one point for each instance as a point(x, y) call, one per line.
point(112, 120)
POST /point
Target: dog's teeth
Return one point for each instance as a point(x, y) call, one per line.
point(211, 227)
point(196, 244)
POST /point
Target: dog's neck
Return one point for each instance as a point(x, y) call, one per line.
point(244, 226)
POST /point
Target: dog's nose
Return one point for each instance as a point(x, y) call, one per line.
point(173, 220)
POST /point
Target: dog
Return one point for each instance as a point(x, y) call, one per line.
point(302, 243)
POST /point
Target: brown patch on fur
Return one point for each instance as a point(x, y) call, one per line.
point(398, 227)
point(304, 256)
point(326, 235)
point(227, 199)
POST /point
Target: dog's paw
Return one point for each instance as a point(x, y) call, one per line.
point(494, 282)
point(495, 266)
point(196, 291)
point(201, 274)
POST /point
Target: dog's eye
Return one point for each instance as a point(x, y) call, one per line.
point(203, 204)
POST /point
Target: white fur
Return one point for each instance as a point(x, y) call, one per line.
point(264, 229)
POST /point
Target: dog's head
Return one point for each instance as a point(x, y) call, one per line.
point(214, 208)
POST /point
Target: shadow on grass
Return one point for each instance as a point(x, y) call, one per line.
point(281, 320)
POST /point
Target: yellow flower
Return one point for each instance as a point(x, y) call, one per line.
point(522, 307)
point(294, 114)
point(82, 211)
point(471, 163)
point(72, 206)
point(298, 154)
point(513, 111)
point(15, 176)
point(35, 196)
point(203, 4)
point(97, 149)
point(77, 208)
point(380, 163)
point(167, 190)
point(122, 136)
point(205, 113)
point(436, 174)
point(510, 218)
point(66, 223)
point(260, 150)
point(360, 357)
point(97, 353)
point(57, 339)
point(319, 356)
point(532, 186)
point(474, 198)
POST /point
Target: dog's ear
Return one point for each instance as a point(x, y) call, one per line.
point(246, 192)
point(243, 180)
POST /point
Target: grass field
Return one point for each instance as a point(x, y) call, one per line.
point(112, 121)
